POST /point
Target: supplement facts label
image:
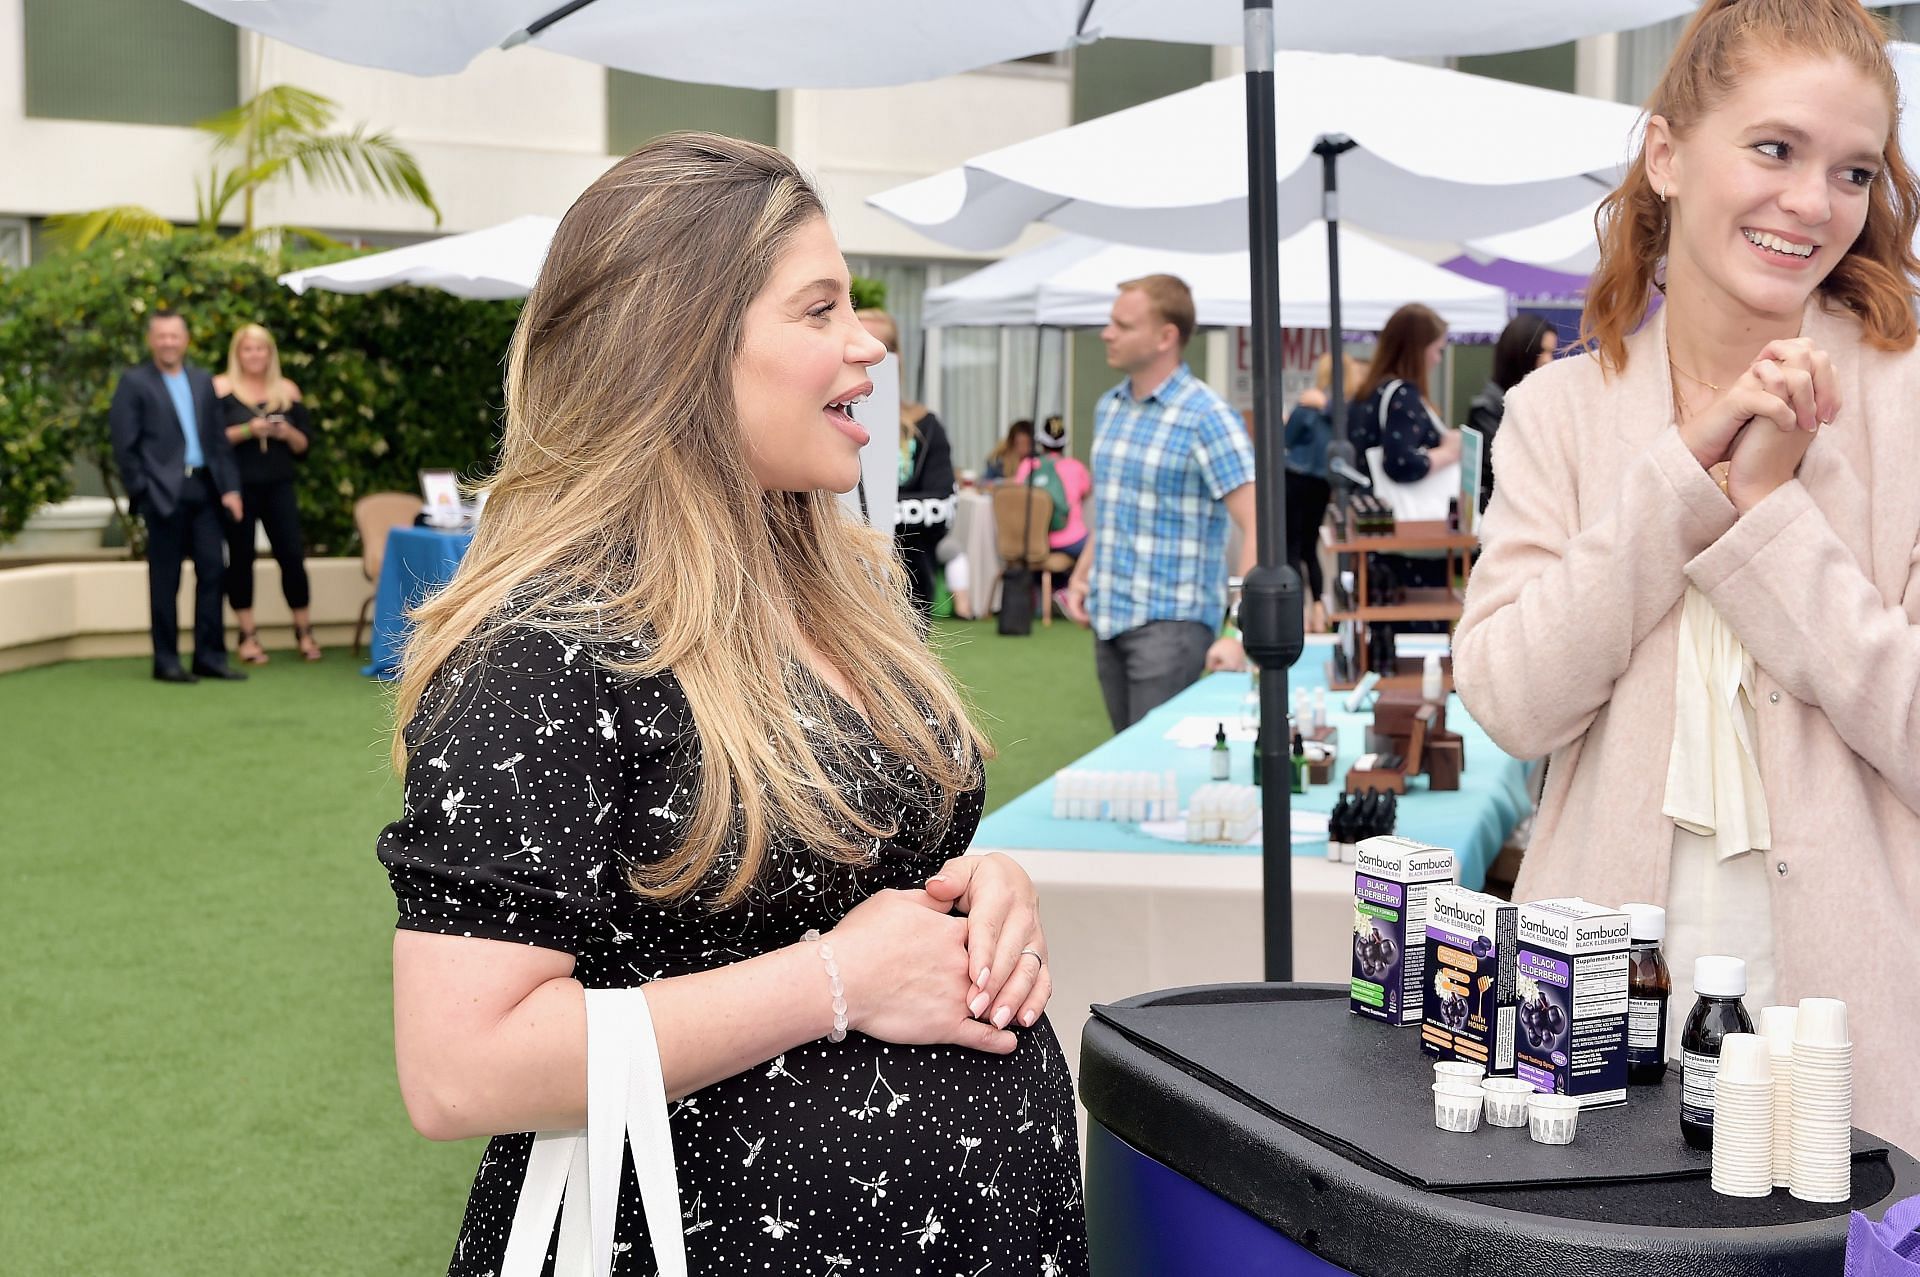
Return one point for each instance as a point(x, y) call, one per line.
point(1698, 1072)
point(1646, 1017)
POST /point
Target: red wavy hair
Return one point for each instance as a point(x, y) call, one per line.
point(1725, 40)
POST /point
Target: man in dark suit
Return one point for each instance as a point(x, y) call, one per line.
point(179, 471)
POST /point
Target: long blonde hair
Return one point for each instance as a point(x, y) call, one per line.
point(1874, 278)
point(279, 396)
point(623, 500)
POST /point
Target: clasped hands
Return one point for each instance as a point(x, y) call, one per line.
point(949, 963)
point(1762, 425)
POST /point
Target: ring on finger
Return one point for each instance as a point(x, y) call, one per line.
point(1037, 956)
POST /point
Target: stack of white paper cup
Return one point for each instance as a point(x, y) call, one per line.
point(1743, 1117)
point(1777, 1027)
point(1822, 1102)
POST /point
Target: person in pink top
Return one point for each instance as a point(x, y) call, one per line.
point(1074, 478)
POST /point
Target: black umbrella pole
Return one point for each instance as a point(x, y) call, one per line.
point(1270, 602)
point(1340, 455)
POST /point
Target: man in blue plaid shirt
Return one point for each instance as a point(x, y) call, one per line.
point(1171, 464)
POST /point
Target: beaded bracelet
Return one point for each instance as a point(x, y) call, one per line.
point(839, 1033)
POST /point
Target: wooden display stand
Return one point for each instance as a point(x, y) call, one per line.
point(1429, 604)
point(1417, 731)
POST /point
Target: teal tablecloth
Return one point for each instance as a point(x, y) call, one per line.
point(1473, 821)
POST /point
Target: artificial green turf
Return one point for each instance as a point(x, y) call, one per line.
point(197, 1054)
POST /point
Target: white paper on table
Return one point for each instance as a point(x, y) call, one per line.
point(1196, 731)
point(1308, 827)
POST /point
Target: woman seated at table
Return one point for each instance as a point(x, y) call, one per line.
point(1700, 587)
point(1011, 451)
point(1075, 481)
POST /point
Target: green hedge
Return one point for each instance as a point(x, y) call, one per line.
point(395, 381)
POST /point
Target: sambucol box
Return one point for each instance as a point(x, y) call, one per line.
point(1392, 881)
point(1472, 997)
point(1573, 1000)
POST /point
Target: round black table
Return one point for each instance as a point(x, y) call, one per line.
point(1258, 1128)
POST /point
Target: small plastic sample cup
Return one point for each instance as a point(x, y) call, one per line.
point(1777, 1025)
point(1457, 1105)
point(1822, 1022)
point(1746, 1057)
point(1458, 1071)
point(1507, 1101)
point(1551, 1119)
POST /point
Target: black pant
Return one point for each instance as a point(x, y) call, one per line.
point(1306, 509)
point(274, 505)
point(193, 528)
point(916, 547)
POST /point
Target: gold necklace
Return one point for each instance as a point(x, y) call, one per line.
point(1689, 376)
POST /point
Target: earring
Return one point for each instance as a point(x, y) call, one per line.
point(1663, 192)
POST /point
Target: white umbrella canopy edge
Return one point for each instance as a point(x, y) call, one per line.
point(1070, 282)
point(777, 44)
point(1376, 280)
point(1003, 292)
point(1422, 168)
point(486, 265)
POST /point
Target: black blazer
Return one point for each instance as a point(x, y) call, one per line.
point(149, 446)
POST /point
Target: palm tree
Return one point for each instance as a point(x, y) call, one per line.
point(274, 136)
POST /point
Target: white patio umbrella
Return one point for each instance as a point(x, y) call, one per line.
point(501, 261)
point(1565, 243)
point(1070, 282)
point(1426, 164)
point(768, 44)
point(1375, 281)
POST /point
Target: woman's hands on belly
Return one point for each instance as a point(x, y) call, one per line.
point(1003, 924)
point(904, 960)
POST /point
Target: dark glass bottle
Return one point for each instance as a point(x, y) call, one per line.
point(1720, 984)
point(1649, 987)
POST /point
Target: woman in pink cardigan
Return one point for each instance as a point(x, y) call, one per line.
point(1700, 586)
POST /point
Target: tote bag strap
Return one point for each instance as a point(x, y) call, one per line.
point(644, 1129)
point(576, 1174)
point(1387, 393)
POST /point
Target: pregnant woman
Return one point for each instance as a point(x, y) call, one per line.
point(672, 726)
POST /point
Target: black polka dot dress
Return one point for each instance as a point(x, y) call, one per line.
point(537, 777)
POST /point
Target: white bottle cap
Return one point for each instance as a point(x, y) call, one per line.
point(1646, 922)
point(1718, 977)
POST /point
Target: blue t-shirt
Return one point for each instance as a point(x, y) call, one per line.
point(182, 395)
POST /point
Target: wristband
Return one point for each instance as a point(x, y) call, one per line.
point(839, 1033)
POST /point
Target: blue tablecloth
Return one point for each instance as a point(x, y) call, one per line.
point(418, 561)
point(1474, 820)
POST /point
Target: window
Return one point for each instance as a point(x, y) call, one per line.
point(129, 61)
point(16, 244)
point(1643, 56)
point(641, 107)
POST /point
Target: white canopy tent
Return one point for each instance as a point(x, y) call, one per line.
point(1070, 282)
point(498, 262)
point(766, 44)
point(1422, 166)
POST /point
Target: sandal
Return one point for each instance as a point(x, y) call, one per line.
point(309, 646)
point(258, 656)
